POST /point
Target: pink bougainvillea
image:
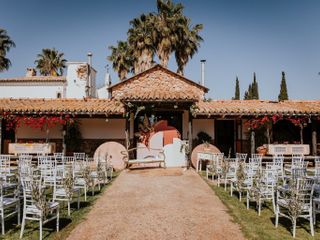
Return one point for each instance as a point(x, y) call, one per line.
point(263, 121)
point(40, 122)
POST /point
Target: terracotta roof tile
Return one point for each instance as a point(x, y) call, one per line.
point(34, 79)
point(258, 107)
point(158, 84)
point(53, 106)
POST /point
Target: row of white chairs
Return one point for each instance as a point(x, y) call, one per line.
point(267, 186)
point(53, 172)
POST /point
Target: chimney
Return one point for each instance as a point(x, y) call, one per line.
point(107, 81)
point(203, 61)
point(31, 72)
point(89, 83)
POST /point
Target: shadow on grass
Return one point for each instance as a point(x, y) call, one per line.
point(66, 223)
point(262, 227)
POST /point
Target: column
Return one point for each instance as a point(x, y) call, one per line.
point(314, 139)
point(253, 142)
point(301, 134)
point(190, 140)
point(0, 135)
point(64, 145)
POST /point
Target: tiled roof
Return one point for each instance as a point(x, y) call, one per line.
point(34, 79)
point(56, 106)
point(158, 84)
point(258, 107)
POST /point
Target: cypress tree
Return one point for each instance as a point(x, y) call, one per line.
point(248, 93)
point(237, 90)
point(255, 89)
point(283, 95)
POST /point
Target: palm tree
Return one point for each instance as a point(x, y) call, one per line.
point(50, 62)
point(187, 44)
point(169, 18)
point(5, 44)
point(121, 59)
point(141, 41)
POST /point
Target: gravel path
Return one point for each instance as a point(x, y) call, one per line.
point(157, 204)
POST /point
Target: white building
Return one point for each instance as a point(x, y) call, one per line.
point(79, 82)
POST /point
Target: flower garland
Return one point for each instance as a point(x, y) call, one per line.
point(264, 121)
point(40, 122)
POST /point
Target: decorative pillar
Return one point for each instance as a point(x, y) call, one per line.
point(268, 134)
point(0, 135)
point(301, 134)
point(127, 133)
point(314, 139)
point(131, 128)
point(253, 142)
point(190, 133)
point(64, 145)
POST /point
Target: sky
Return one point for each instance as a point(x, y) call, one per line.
point(240, 37)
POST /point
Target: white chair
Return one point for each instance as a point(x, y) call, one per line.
point(265, 189)
point(203, 157)
point(79, 170)
point(213, 168)
point(61, 189)
point(242, 157)
point(278, 161)
point(5, 166)
point(300, 194)
point(79, 156)
point(33, 209)
point(229, 170)
point(316, 202)
point(9, 203)
point(25, 166)
point(243, 180)
point(257, 155)
point(47, 169)
point(256, 163)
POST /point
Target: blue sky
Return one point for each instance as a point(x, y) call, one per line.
point(240, 37)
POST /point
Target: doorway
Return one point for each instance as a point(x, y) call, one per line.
point(225, 136)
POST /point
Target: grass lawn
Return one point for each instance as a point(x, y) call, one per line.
point(255, 227)
point(66, 224)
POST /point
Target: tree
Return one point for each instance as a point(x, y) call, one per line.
point(141, 41)
point(162, 33)
point(167, 22)
point(248, 93)
point(283, 95)
point(255, 89)
point(187, 44)
point(50, 62)
point(121, 59)
point(237, 90)
point(5, 45)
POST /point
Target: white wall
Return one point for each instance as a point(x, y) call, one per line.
point(102, 129)
point(75, 86)
point(102, 92)
point(31, 91)
point(204, 125)
point(36, 133)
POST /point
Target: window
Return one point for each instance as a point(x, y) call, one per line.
point(58, 94)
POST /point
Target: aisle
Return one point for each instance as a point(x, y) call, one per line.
point(157, 204)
